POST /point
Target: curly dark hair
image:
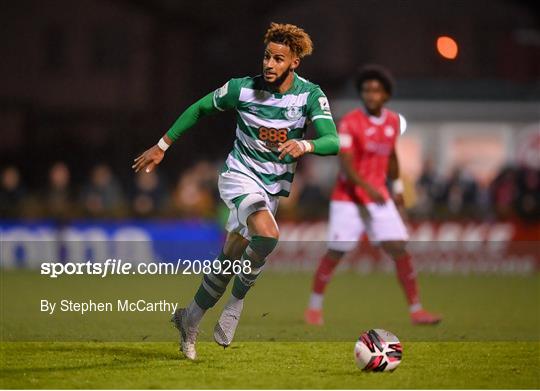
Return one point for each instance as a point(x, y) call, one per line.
point(375, 72)
point(290, 35)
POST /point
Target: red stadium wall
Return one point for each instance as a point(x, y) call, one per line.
point(450, 247)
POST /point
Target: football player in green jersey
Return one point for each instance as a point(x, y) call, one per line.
point(273, 111)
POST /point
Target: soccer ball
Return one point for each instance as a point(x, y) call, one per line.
point(377, 350)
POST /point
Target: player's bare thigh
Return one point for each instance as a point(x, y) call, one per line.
point(263, 223)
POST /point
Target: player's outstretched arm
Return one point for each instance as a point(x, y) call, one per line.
point(154, 155)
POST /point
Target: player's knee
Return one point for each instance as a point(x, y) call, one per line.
point(263, 245)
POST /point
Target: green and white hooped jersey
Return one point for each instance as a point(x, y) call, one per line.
point(266, 119)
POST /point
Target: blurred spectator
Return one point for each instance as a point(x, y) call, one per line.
point(102, 196)
point(312, 202)
point(207, 174)
point(316, 179)
point(194, 195)
point(528, 198)
point(149, 194)
point(11, 192)
point(504, 193)
point(289, 206)
point(430, 193)
point(514, 193)
point(483, 202)
point(59, 197)
point(425, 190)
point(461, 194)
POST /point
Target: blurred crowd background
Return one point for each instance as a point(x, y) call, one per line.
point(514, 193)
point(88, 85)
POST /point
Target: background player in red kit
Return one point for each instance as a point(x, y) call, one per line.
point(361, 201)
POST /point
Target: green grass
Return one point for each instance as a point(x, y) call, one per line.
point(489, 337)
point(264, 365)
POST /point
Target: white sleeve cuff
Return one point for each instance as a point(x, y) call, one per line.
point(162, 144)
point(307, 146)
point(397, 186)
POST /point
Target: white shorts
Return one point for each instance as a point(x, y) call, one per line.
point(348, 221)
point(243, 196)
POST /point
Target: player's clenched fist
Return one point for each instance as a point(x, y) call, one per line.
point(148, 159)
point(295, 148)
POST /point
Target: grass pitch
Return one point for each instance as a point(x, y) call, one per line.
point(489, 337)
point(264, 365)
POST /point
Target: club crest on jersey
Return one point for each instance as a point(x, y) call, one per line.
point(293, 112)
point(389, 131)
point(370, 131)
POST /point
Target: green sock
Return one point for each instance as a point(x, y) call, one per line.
point(212, 286)
point(257, 251)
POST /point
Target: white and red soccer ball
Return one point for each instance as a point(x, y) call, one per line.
point(378, 350)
